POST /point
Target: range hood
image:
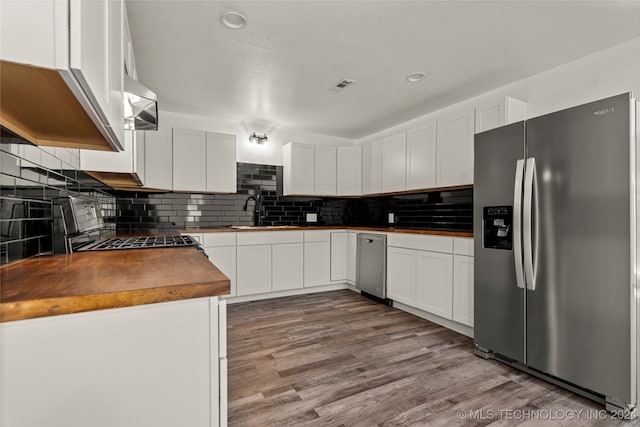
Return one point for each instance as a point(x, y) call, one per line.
point(140, 106)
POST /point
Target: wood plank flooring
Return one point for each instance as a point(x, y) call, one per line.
point(339, 359)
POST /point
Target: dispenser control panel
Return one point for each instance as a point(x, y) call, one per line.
point(497, 227)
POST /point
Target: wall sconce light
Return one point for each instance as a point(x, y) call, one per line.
point(257, 139)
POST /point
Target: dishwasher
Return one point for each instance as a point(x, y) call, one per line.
point(371, 267)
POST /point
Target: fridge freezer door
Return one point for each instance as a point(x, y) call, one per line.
point(498, 302)
point(579, 315)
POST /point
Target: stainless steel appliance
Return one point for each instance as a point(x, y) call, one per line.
point(371, 265)
point(555, 248)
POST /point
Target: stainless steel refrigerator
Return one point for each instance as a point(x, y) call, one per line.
point(555, 248)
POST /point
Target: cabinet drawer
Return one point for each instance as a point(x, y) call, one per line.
point(268, 237)
point(219, 239)
point(463, 246)
point(317, 236)
point(421, 242)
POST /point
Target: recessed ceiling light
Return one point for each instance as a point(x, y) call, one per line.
point(416, 77)
point(233, 20)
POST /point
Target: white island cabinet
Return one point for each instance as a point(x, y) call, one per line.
point(151, 365)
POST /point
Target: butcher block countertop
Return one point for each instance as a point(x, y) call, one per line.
point(304, 228)
point(86, 281)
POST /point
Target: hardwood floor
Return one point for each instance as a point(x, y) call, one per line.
point(338, 359)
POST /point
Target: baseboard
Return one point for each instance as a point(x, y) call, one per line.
point(291, 292)
point(449, 324)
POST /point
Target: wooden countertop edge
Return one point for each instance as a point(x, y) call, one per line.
point(468, 234)
point(46, 307)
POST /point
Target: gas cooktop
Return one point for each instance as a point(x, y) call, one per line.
point(139, 243)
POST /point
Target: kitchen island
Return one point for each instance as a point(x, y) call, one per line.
point(133, 337)
point(87, 281)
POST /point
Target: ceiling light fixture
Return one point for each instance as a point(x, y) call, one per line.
point(416, 77)
point(257, 139)
point(234, 20)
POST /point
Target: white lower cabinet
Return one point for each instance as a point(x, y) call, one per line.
point(352, 250)
point(317, 258)
point(401, 266)
point(338, 257)
point(438, 280)
point(434, 283)
point(151, 365)
point(253, 269)
point(224, 257)
point(317, 263)
point(463, 289)
point(287, 262)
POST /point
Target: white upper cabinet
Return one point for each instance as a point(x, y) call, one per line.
point(372, 168)
point(221, 163)
point(130, 160)
point(158, 159)
point(499, 113)
point(204, 161)
point(72, 52)
point(421, 157)
point(189, 160)
point(455, 150)
point(96, 58)
point(394, 162)
point(349, 171)
point(298, 168)
point(325, 171)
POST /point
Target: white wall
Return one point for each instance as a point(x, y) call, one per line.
point(268, 154)
point(605, 73)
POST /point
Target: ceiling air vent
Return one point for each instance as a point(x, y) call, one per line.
point(343, 83)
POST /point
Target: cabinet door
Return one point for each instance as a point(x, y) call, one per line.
point(349, 171)
point(298, 169)
point(189, 160)
point(325, 170)
point(434, 283)
point(499, 113)
point(253, 272)
point(224, 257)
point(317, 263)
point(338, 257)
point(463, 289)
point(96, 58)
point(455, 150)
point(352, 249)
point(158, 159)
point(372, 168)
point(287, 266)
point(108, 161)
point(112, 363)
point(394, 162)
point(221, 167)
point(421, 157)
point(401, 267)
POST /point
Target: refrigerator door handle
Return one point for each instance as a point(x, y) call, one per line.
point(530, 231)
point(517, 226)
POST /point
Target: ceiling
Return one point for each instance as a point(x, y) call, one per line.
point(279, 71)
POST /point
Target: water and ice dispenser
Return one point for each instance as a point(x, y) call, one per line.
point(497, 227)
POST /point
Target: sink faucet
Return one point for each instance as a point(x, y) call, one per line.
point(257, 210)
